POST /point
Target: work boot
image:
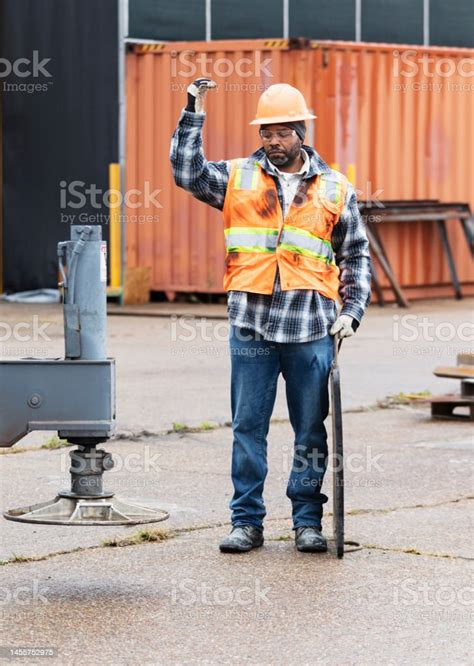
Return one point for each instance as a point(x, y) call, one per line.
point(310, 540)
point(242, 539)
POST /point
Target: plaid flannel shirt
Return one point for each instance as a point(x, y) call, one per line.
point(298, 315)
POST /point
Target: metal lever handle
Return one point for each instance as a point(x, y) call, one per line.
point(337, 347)
point(61, 253)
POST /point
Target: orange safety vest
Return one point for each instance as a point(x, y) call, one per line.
point(258, 239)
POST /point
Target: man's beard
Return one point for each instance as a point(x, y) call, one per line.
point(282, 157)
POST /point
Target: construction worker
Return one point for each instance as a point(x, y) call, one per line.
point(295, 244)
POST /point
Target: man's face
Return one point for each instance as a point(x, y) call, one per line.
point(281, 144)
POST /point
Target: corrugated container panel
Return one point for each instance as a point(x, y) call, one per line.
point(412, 143)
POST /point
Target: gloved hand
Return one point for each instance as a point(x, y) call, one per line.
point(196, 92)
point(343, 326)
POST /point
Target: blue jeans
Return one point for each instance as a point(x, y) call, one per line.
point(256, 365)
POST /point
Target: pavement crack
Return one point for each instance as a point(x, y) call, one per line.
point(139, 538)
point(136, 539)
point(359, 512)
point(183, 430)
point(148, 536)
point(415, 551)
point(22, 559)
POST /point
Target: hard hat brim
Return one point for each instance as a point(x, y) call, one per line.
point(274, 120)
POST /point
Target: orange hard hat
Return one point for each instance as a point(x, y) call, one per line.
point(281, 103)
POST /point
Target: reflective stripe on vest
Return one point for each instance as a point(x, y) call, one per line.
point(246, 175)
point(304, 242)
point(330, 187)
point(250, 239)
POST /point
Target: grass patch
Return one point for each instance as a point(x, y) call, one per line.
point(142, 536)
point(206, 426)
point(179, 427)
point(182, 428)
point(19, 558)
point(55, 443)
point(403, 398)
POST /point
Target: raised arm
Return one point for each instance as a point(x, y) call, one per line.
point(205, 180)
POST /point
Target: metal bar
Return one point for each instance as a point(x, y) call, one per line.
point(125, 17)
point(449, 256)
point(208, 20)
point(401, 202)
point(358, 20)
point(286, 19)
point(138, 40)
point(426, 22)
point(378, 288)
point(337, 451)
point(87, 405)
point(468, 228)
point(280, 44)
point(394, 216)
point(376, 234)
point(387, 269)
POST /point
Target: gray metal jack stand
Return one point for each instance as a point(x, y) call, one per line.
point(74, 396)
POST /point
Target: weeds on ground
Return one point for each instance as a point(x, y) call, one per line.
point(142, 536)
point(55, 442)
point(403, 398)
point(182, 428)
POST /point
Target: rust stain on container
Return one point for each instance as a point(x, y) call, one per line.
point(401, 136)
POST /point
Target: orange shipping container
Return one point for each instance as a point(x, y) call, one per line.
point(397, 120)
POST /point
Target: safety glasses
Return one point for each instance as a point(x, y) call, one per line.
point(267, 135)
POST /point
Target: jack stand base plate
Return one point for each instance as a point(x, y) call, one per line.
point(93, 511)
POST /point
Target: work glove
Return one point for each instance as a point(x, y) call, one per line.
point(344, 325)
point(196, 92)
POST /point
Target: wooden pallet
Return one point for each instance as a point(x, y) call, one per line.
point(443, 406)
point(458, 372)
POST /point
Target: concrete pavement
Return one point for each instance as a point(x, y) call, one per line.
point(176, 369)
point(401, 595)
point(182, 602)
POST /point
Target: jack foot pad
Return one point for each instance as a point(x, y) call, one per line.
point(91, 511)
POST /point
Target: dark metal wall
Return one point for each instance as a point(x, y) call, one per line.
point(59, 125)
point(393, 21)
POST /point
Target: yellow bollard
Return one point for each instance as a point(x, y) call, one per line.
point(115, 228)
point(351, 173)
